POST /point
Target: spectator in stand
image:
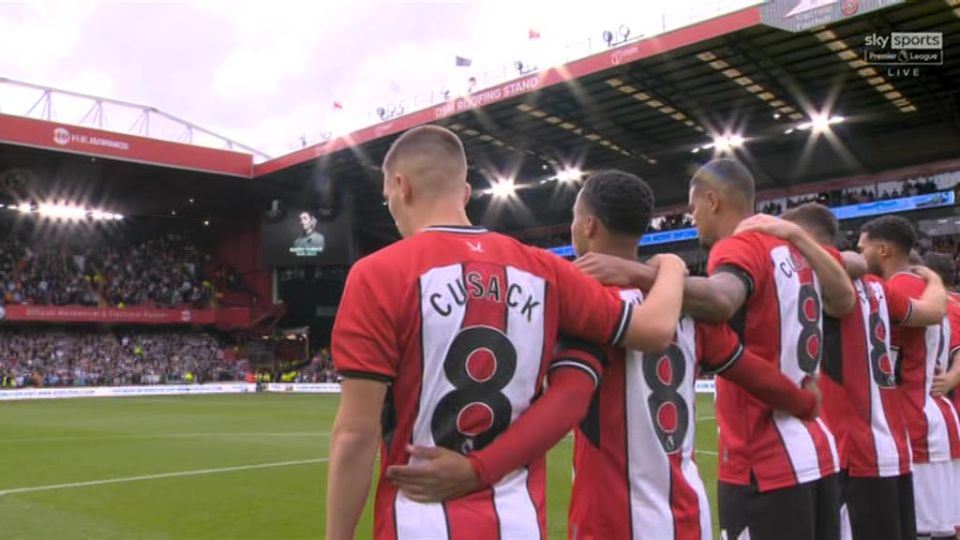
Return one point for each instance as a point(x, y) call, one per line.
point(163, 272)
point(79, 357)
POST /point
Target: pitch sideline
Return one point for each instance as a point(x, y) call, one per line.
point(196, 472)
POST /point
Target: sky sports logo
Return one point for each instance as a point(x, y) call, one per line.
point(905, 49)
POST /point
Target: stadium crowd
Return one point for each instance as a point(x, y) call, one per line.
point(81, 357)
point(852, 196)
point(559, 235)
point(320, 369)
point(165, 271)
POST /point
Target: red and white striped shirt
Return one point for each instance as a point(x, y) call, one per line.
point(780, 322)
point(932, 422)
point(860, 399)
point(634, 464)
point(462, 323)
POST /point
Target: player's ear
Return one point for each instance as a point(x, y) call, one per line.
point(883, 249)
point(467, 192)
point(591, 226)
point(713, 201)
point(405, 187)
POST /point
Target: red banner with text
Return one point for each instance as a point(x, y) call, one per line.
point(129, 315)
point(95, 142)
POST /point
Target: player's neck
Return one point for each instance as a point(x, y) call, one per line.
point(625, 248)
point(728, 224)
point(894, 267)
point(441, 217)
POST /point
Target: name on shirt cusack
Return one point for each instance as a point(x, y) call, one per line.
point(475, 286)
point(792, 264)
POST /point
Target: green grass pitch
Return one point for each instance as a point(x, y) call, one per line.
point(198, 467)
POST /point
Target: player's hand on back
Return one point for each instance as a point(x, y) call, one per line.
point(607, 269)
point(669, 260)
point(810, 385)
point(441, 475)
point(927, 274)
point(943, 383)
point(762, 223)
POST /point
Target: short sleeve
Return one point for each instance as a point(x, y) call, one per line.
point(738, 255)
point(364, 342)
point(899, 305)
point(953, 315)
point(718, 347)
point(589, 310)
point(909, 285)
point(580, 354)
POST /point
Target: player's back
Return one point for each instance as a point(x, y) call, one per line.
point(860, 400)
point(920, 353)
point(463, 323)
point(781, 322)
point(641, 427)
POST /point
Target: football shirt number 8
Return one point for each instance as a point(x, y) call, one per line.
point(475, 398)
point(668, 410)
point(808, 346)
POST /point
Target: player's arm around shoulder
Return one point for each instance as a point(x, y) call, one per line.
point(706, 299)
point(839, 297)
point(653, 323)
point(733, 276)
point(931, 307)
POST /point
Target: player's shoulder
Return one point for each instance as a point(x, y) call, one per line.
point(906, 283)
point(746, 250)
point(746, 243)
point(384, 258)
point(534, 258)
point(904, 278)
point(510, 251)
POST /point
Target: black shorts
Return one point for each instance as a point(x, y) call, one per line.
point(808, 511)
point(880, 508)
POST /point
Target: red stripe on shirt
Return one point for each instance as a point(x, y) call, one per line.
point(684, 503)
point(475, 515)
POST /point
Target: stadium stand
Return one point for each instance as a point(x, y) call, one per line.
point(86, 357)
point(165, 272)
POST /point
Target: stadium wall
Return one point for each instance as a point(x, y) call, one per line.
point(126, 391)
point(703, 386)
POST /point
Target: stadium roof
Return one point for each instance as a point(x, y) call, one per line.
point(644, 106)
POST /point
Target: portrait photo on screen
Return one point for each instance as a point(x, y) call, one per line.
point(303, 236)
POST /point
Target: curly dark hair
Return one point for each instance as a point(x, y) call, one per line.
point(623, 202)
point(893, 229)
